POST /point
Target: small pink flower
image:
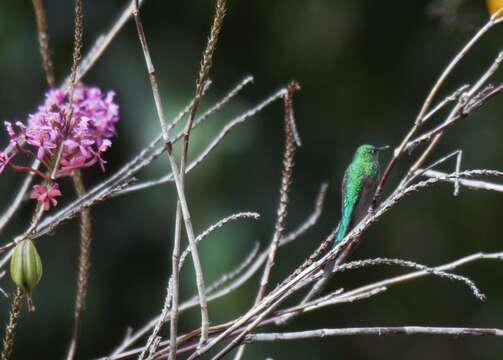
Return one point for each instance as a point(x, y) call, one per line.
point(46, 195)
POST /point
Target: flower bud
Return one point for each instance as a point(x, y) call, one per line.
point(25, 266)
point(494, 6)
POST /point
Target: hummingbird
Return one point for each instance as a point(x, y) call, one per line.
point(358, 190)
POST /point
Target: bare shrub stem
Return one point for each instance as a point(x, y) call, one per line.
point(15, 312)
point(176, 173)
point(43, 40)
point(85, 230)
point(206, 63)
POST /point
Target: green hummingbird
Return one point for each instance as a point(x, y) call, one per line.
point(358, 190)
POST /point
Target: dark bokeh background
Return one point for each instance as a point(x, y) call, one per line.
point(365, 67)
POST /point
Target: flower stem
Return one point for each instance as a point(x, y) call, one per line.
point(30, 170)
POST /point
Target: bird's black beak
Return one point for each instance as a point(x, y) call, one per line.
point(381, 148)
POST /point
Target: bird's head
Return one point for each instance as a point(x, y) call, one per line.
point(369, 151)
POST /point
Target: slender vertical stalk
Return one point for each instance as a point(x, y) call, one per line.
point(175, 276)
point(286, 181)
point(85, 215)
point(77, 45)
point(206, 62)
point(84, 264)
point(203, 302)
point(43, 40)
point(15, 312)
point(77, 54)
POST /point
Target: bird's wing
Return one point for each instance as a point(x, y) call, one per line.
point(368, 189)
point(350, 194)
point(344, 191)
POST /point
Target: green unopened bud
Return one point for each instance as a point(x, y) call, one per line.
point(26, 268)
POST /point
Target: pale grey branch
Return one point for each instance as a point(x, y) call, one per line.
point(410, 264)
point(379, 331)
point(470, 184)
point(216, 226)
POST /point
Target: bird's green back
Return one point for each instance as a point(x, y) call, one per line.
point(363, 167)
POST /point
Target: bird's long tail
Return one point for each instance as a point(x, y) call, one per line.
point(341, 233)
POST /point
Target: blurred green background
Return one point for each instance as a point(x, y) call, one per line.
point(365, 67)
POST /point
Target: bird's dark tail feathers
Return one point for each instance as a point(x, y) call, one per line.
point(330, 266)
point(341, 230)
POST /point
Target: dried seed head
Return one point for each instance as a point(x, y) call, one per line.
point(26, 268)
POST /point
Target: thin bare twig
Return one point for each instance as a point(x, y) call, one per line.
point(327, 300)
point(43, 40)
point(77, 50)
point(291, 142)
point(84, 264)
point(410, 264)
point(397, 330)
point(173, 298)
point(471, 184)
point(448, 99)
point(469, 106)
point(457, 112)
point(399, 151)
point(101, 44)
point(15, 312)
point(216, 226)
point(286, 181)
point(178, 182)
point(154, 340)
point(408, 180)
point(206, 62)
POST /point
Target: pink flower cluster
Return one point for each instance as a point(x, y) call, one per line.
point(82, 132)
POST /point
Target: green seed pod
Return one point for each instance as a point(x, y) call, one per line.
point(25, 266)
